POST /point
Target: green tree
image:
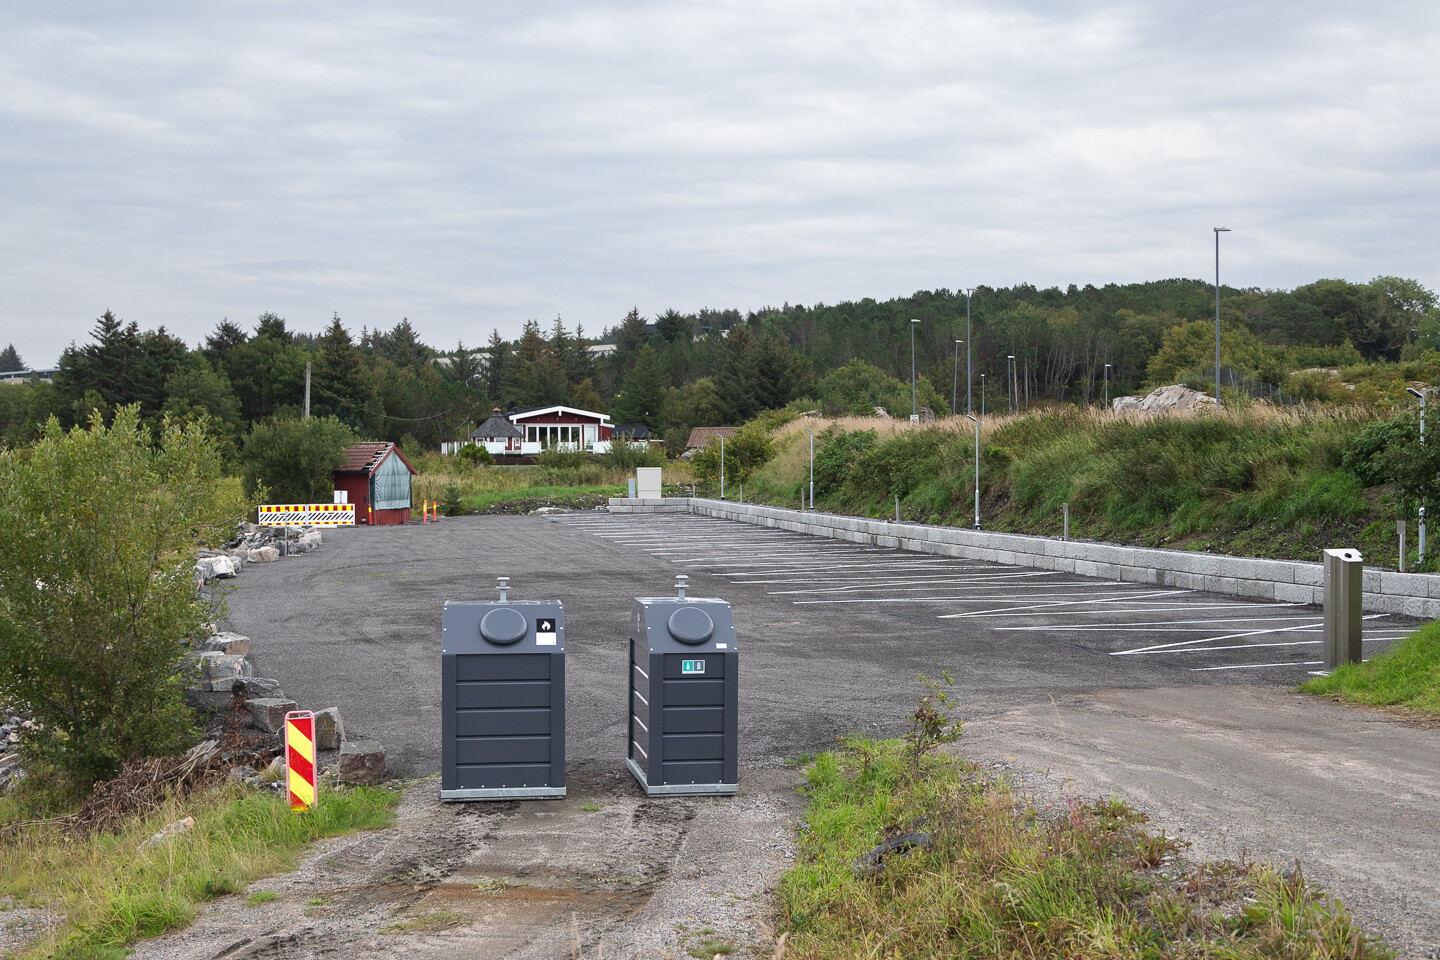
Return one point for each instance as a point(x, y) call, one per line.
point(673, 325)
point(197, 390)
point(267, 372)
point(294, 460)
point(342, 386)
point(97, 586)
point(227, 337)
point(746, 451)
point(642, 394)
point(535, 376)
point(1190, 348)
point(10, 361)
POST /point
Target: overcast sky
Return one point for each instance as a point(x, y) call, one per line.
point(471, 166)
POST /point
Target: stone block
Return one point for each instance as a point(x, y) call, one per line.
point(329, 729)
point(222, 666)
point(262, 555)
point(1298, 593)
point(255, 687)
point(268, 713)
point(228, 643)
point(361, 762)
point(1310, 574)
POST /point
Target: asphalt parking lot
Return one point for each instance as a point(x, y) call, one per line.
point(832, 634)
point(1176, 700)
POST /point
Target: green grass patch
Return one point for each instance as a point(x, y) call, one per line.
point(558, 495)
point(1004, 879)
point(112, 893)
point(426, 922)
point(1406, 675)
point(261, 897)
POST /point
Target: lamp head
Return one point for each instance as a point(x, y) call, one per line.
point(1415, 392)
point(1221, 229)
point(914, 321)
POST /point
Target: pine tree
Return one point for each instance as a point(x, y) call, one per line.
point(227, 337)
point(342, 384)
point(270, 325)
point(10, 360)
point(673, 326)
point(642, 394)
point(497, 367)
point(738, 376)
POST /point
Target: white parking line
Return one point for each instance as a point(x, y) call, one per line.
point(1258, 666)
point(1228, 636)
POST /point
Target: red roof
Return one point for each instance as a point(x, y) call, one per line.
point(366, 458)
point(701, 436)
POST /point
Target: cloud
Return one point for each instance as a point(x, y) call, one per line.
point(474, 166)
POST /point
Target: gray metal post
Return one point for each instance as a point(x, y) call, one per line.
point(722, 466)
point(955, 387)
point(982, 398)
point(1421, 553)
point(1421, 394)
point(812, 471)
point(1107, 386)
point(632, 488)
point(1065, 531)
point(1400, 529)
point(977, 468)
point(897, 508)
point(969, 376)
point(1344, 592)
point(914, 408)
point(1218, 231)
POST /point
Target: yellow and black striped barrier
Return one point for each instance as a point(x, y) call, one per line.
point(314, 514)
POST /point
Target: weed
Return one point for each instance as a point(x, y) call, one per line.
point(426, 922)
point(261, 896)
point(931, 723)
point(1407, 675)
point(592, 807)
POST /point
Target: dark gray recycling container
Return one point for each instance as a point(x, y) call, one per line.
point(502, 671)
point(684, 692)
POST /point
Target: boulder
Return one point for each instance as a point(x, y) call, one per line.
point(173, 830)
point(221, 567)
point(262, 555)
point(240, 774)
point(261, 687)
point(312, 538)
point(268, 713)
point(230, 643)
point(361, 762)
point(1176, 398)
point(329, 729)
point(221, 666)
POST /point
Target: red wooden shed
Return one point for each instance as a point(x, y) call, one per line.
point(376, 478)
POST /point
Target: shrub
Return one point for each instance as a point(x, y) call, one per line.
point(97, 586)
point(748, 449)
point(476, 455)
point(624, 455)
point(450, 501)
point(294, 460)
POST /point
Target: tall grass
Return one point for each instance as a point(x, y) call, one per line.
point(1004, 879)
point(111, 892)
point(559, 475)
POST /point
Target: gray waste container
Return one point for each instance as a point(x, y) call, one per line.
point(684, 691)
point(502, 667)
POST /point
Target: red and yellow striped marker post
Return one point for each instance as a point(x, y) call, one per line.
point(300, 758)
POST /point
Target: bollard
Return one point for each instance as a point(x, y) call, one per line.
point(1065, 533)
point(424, 511)
point(1400, 529)
point(897, 508)
point(632, 488)
point(1344, 591)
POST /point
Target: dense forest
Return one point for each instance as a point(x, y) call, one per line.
point(679, 370)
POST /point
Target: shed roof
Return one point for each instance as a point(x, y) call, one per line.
point(701, 436)
point(366, 458)
point(496, 428)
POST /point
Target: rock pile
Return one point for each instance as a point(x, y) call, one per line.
point(223, 674)
point(255, 544)
point(1176, 398)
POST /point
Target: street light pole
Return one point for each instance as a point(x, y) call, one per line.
point(955, 390)
point(972, 419)
point(722, 466)
point(1107, 387)
point(1421, 395)
point(914, 408)
point(812, 466)
point(982, 398)
point(1010, 383)
point(1218, 231)
point(969, 376)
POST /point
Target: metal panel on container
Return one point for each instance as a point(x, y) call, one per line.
point(684, 692)
point(502, 700)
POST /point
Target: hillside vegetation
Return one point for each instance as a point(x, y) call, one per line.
point(1251, 480)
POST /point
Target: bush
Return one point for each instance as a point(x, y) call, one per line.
point(746, 451)
point(97, 586)
point(675, 440)
point(450, 502)
point(623, 455)
point(476, 455)
point(294, 460)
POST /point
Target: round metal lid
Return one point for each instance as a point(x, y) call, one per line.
point(691, 625)
point(503, 625)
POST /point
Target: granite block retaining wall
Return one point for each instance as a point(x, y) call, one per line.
point(1291, 581)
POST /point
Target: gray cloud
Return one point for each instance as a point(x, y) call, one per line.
point(474, 167)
